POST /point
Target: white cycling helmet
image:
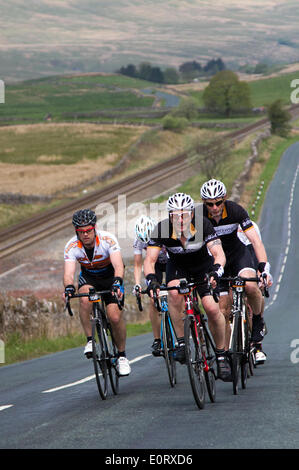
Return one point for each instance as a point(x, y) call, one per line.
point(180, 201)
point(213, 189)
point(143, 228)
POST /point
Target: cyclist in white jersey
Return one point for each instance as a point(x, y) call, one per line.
point(260, 355)
point(102, 267)
point(143, 229)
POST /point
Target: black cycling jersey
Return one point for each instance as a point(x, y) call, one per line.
point(227, 228)
point(195, 252)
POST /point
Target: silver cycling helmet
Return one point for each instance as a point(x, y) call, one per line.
point(213, 189)
point(84, 217)
point(143, 228)
point(180, 201)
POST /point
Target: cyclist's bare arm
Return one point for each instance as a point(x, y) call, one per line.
point(152, 254)
point(117, 263)
point(137, 268)
point(216, 250)
point(69, 272)
point(259, 249)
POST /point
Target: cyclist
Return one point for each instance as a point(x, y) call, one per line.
point(187, 237)
point(226, 216)
point(102, 267)
point(260, 355)
point(143, 228)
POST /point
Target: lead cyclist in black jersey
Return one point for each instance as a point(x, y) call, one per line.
point(186, 234)
point(226, 216)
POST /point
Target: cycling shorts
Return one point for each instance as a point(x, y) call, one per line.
point(160, 269)
point(193, 274)
point(242, 259)
point(99, 283)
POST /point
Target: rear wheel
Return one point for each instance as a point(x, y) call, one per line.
point(112, 360)
point(210, 374)
point(194, 361)
point(99, 359)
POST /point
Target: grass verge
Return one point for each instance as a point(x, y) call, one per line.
point(17, 349)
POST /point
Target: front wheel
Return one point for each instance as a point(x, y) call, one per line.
point(168, 346)
point(194, 361)
point(236, 352)
point(209, 371)
point(99, 359)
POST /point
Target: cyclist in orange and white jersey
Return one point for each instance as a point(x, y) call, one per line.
point(98, 253)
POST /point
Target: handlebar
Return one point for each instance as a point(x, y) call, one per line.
point(93, 296)
point(242, 280)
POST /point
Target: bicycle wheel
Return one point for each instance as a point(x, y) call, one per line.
point(99, 358)
point(210, 374)
point(246, 352)
point(194, 362)
point(111, 360)
point(168, 348)
point(236, 352)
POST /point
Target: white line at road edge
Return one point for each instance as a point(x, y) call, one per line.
point(4, 407)
point(13, 269)
point(288, 241)
point(90, 377)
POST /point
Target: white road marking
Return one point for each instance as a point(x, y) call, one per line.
point(90, 377)
point(13, 269)
point(288, 240)
point(4, 407)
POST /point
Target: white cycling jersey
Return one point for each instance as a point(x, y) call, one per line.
point(139, 246)
point(105, 244)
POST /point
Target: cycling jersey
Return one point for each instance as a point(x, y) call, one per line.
point(242, 236)
point(139, 246)
point(227, 227)
point(195, 252)
point(100, 263)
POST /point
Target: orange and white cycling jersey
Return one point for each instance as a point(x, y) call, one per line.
point(105, 244)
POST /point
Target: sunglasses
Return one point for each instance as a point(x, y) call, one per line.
point(82, 230)
point(211, 204)
point(183, 215)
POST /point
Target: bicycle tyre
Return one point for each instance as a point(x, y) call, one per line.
point(168, 349)
point(99, 358)
point(194, 362)
point(236, 352)
point(210, 375)
point(245, 370)
point(112, 360)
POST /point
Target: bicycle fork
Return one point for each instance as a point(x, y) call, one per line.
point(198, 331)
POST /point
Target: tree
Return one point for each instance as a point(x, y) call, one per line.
point(279, 119)
point(171, 76)
point(187, 108)
point(226, 94)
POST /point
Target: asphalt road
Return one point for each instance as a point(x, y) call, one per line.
point(148, 414)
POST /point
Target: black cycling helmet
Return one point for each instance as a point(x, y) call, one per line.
point(84, 217)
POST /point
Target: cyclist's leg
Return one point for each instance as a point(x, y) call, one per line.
point(85, 307)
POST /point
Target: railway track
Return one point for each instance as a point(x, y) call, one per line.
point(42, 225)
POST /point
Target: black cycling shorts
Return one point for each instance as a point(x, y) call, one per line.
point(99, 283)
point(160, 269)
point(241, 260)
point(174, 271)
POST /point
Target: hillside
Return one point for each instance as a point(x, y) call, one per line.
point(45, 37)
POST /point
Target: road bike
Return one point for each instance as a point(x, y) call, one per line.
point(241, 350)
point(104, 351)
point(167, 332)
point(199, 344)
